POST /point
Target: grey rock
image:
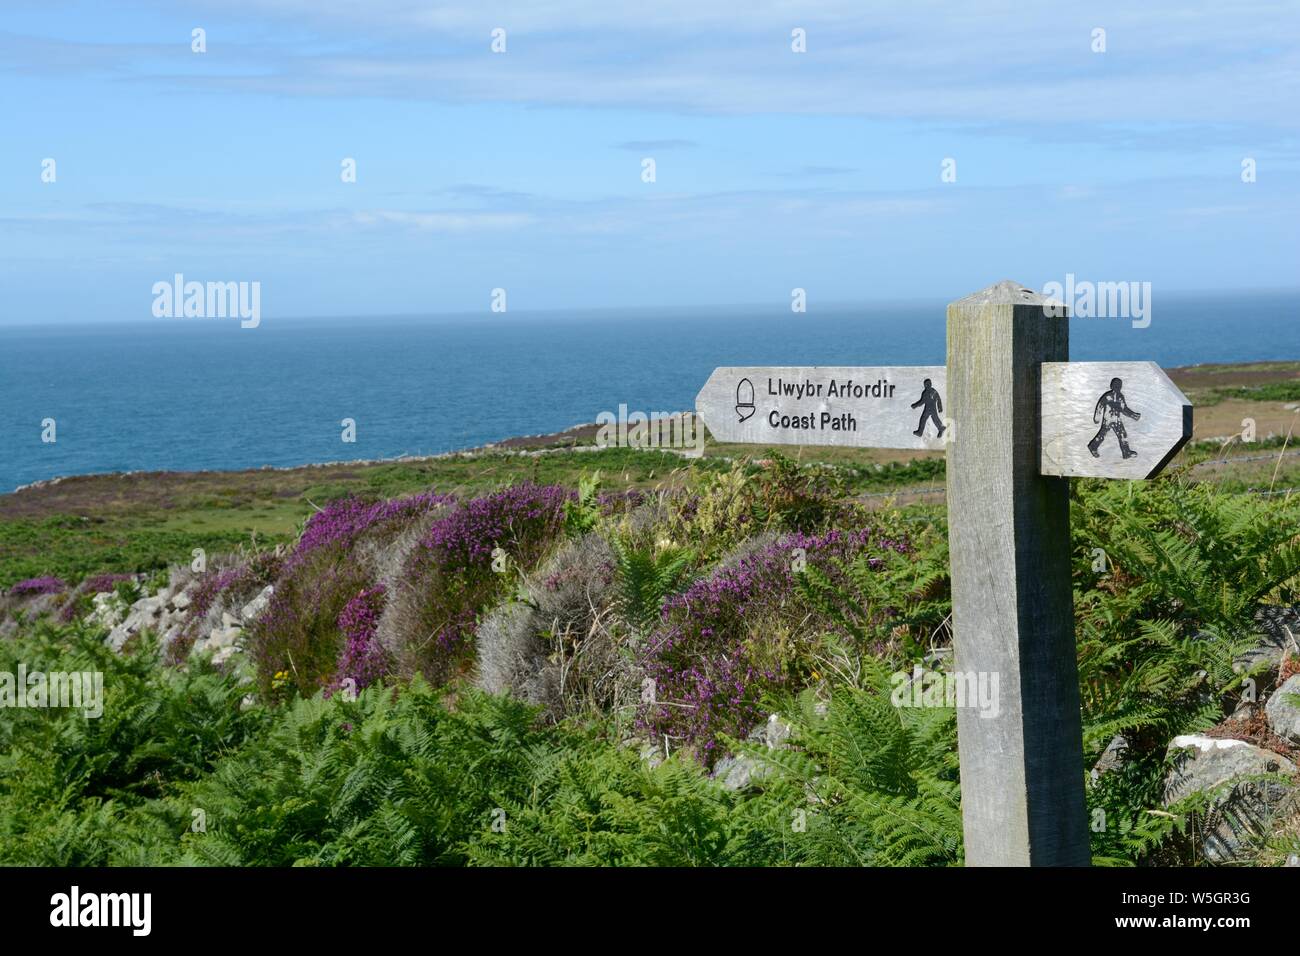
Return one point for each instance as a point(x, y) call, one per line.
point(1245, 806)
point(105, 611)
point(117, 637)
point(148, 607)
point(170, 633)
point(181, 601)
point(736, 773)
point(1283, 710)
point(774, 733)
point(1279, 631)
point(652, 754)
point(141, 615)
point(224, 637)
point(741, 771)
point(255, 607)
point(1112, 758)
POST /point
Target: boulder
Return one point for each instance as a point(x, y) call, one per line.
point(139, 616)
point(105, 611)
point(1245, 806)
point(736, 773)
point(255, 607)
point(1112, 758)
point(223, 655)
point(1283, 710)
point(741, 771)
point(224, 637)
point(652, 754)
point(1279, 631)
point(774, 733)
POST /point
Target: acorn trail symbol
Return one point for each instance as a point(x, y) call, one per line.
point(745, 399)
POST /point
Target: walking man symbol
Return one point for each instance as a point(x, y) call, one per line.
point(933, 405)
point(1110, 411)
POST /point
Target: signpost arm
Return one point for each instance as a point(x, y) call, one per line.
point(1009, 533)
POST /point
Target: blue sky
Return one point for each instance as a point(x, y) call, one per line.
point(522, 170)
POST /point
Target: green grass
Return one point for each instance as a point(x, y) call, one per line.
point(143, 523)
point(72, 548)
point(111, 524)
point(1269, 392)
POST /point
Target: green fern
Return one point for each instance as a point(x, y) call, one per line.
point(646, 576)
point(582, 514)
point(877, 784)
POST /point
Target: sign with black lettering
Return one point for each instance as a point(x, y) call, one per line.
point(877, 407)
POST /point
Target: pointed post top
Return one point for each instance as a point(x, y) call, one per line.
point(1007, 292)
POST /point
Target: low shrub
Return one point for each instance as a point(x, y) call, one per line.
point(558, 645)
point(299, 632)
point(363, 660)
point(466, 560)
point(34, 587)
point(716, 655)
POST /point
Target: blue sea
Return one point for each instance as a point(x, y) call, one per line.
point(190, 394)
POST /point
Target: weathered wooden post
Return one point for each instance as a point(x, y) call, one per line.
point(1009, 534)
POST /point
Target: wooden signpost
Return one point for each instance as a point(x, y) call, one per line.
point(1016, 418)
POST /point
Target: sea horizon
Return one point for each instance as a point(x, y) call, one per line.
point(207, 395)
point(835, 307)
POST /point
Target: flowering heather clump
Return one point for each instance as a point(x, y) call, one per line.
point(33, 587)
point(299, 632)
point(241, 581)
point(211, 586)
point(710, 658)
point(450, 577)
point(510, 519)
point(103, 583)
point(342, 522)
point(363, 659)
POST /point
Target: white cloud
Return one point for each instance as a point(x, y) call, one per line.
point(1177, 61)
point(442, 221)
